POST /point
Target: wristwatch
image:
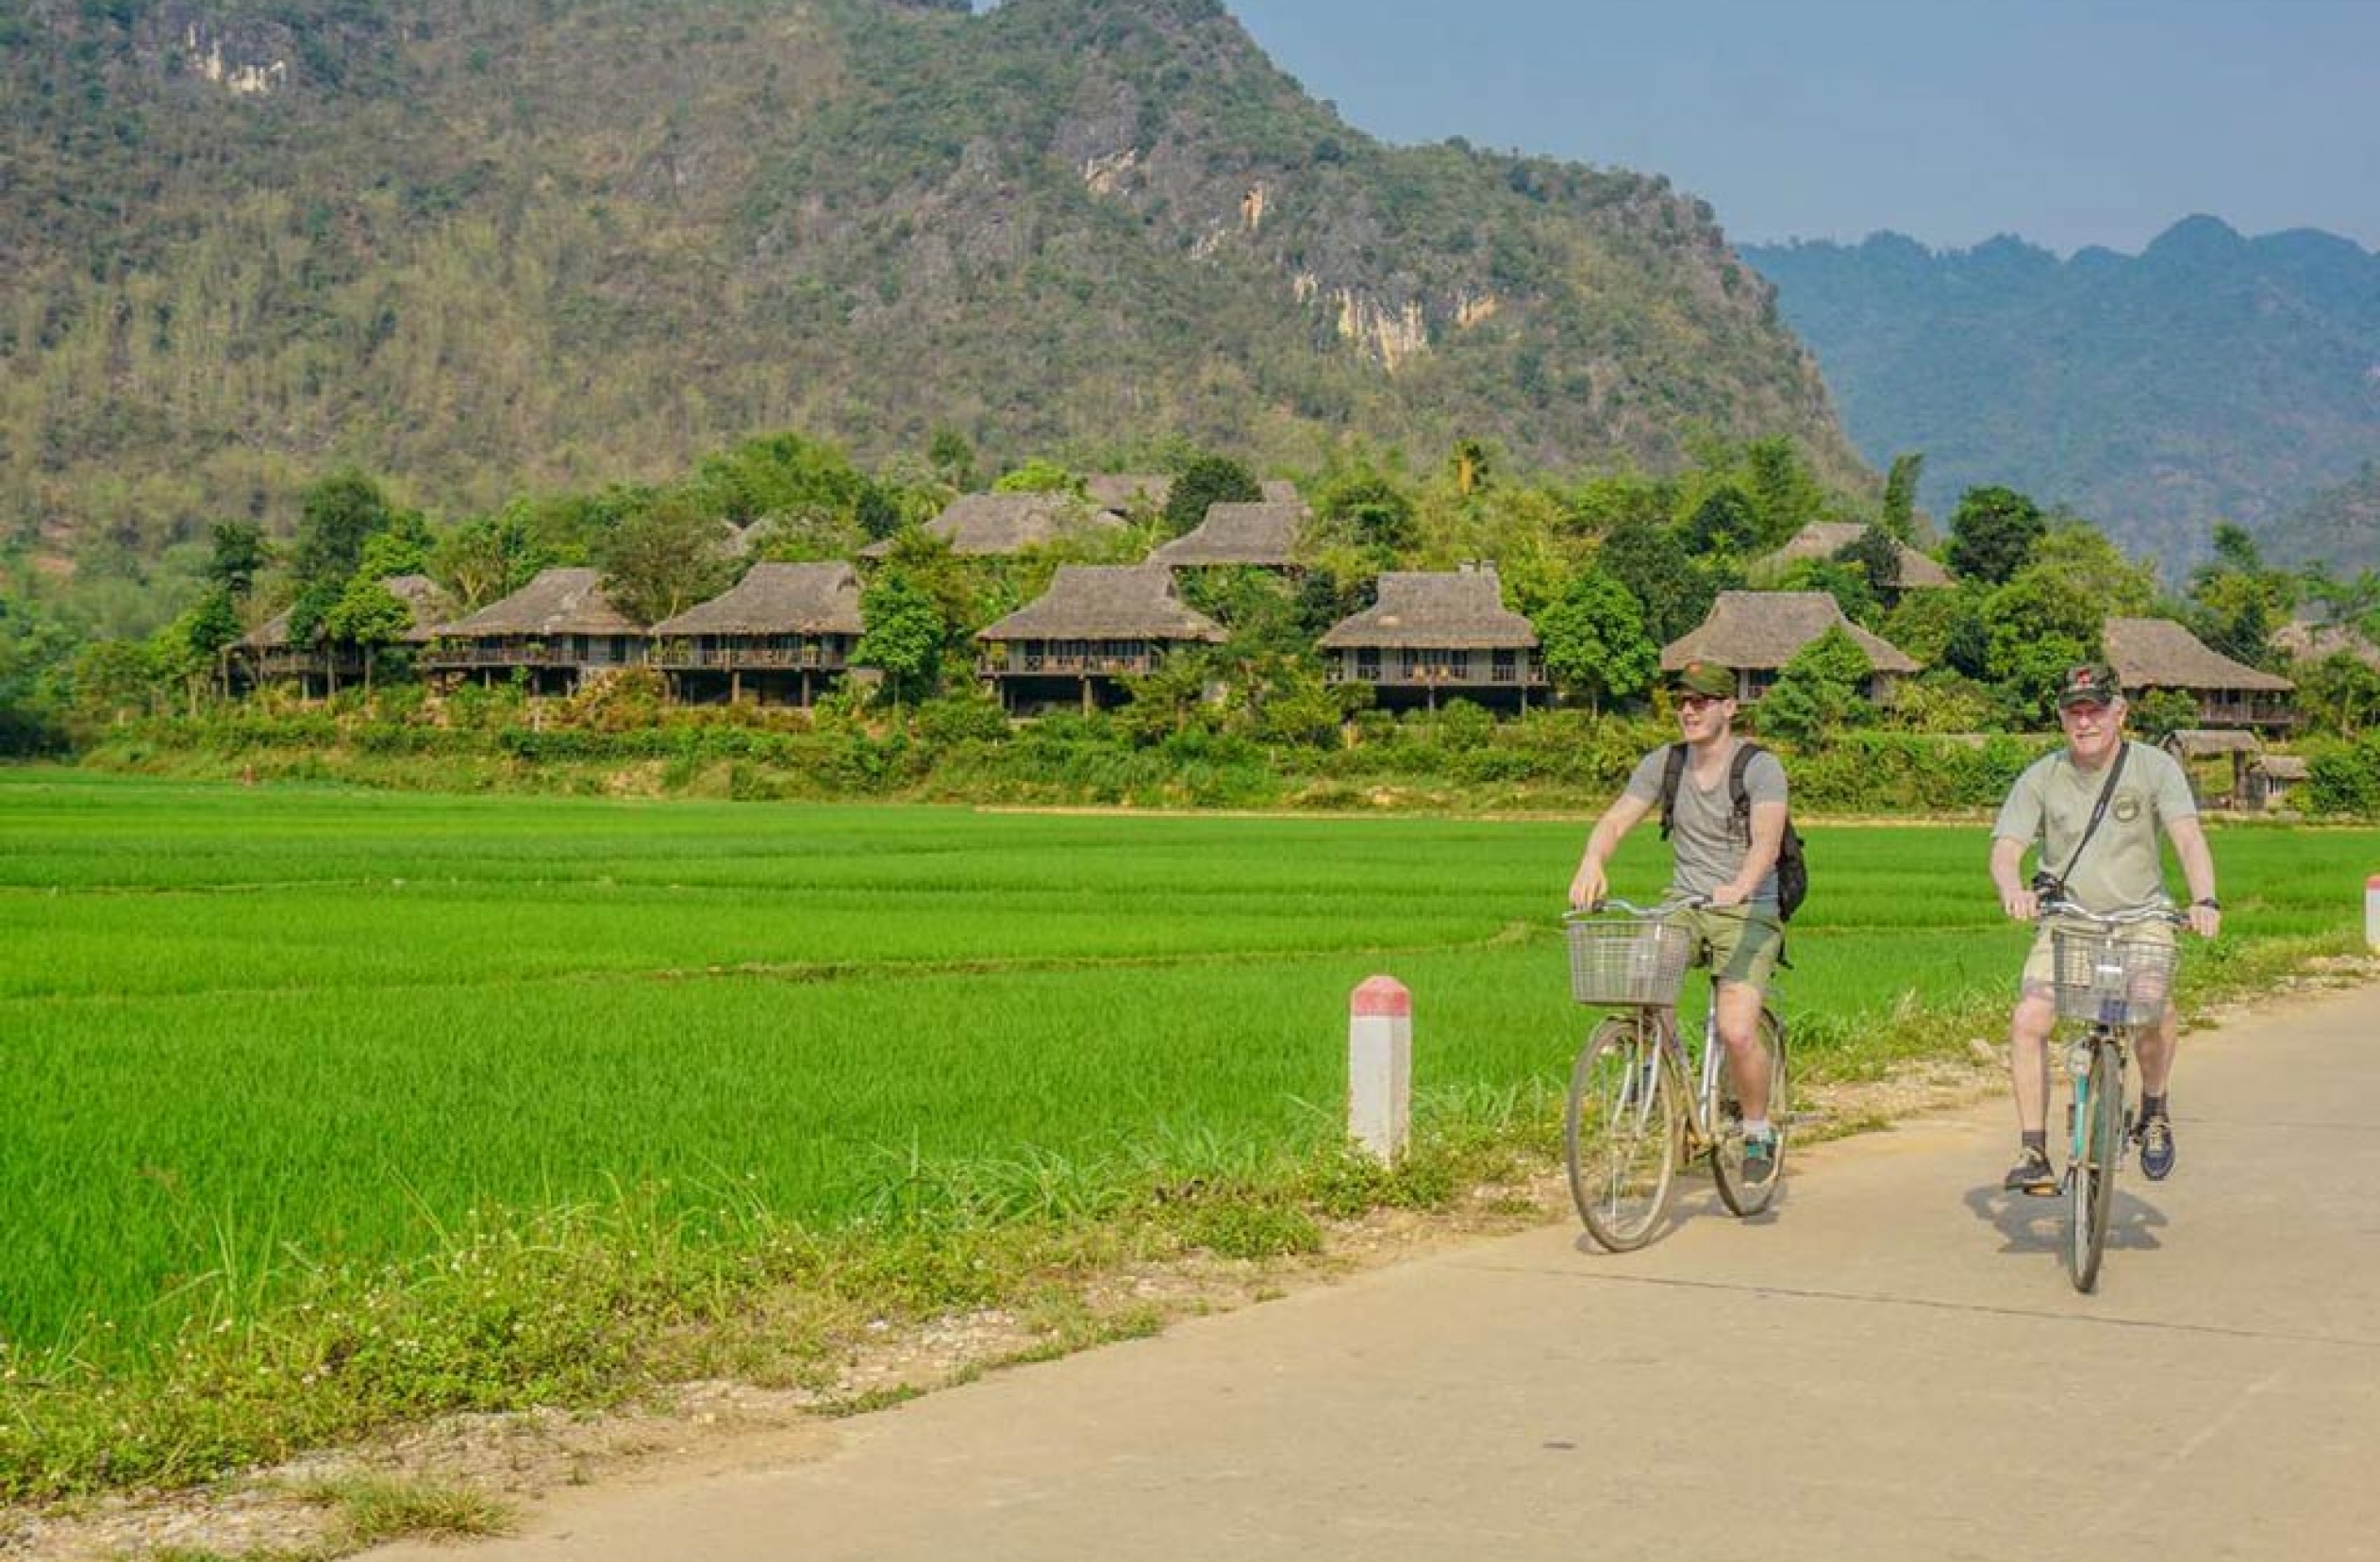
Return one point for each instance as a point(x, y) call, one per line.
point(2209, 902)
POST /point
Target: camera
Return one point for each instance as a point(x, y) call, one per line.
point(2047, 885)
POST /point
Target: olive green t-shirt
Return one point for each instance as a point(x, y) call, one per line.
point(2124, 864)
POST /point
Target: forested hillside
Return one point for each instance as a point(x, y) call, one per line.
point(2340, 527)
point(479, 250)
point(2212, 376)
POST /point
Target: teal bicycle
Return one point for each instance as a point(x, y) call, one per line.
point(2115, 983)
point(1641, 1099)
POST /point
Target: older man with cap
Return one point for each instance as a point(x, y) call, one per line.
point(1720, 862)
point(2112, 867)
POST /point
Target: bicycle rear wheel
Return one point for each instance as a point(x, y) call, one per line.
point(1621, 1131)
point(1726, 1156)
point(2091, 1180)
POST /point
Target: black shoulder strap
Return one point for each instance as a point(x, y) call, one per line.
point(1670, 774)
point(2098, 809)
point(1737, 790)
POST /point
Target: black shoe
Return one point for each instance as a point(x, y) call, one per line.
point(2153, 1134)
point(1759, 1160)
point(2031, 1174)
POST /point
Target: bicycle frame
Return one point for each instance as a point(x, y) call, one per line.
point(2110, 987)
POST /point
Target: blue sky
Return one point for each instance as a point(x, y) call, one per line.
point(2067, 121)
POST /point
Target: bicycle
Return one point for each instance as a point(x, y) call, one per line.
point(2116, 986)
point(1641, 1101)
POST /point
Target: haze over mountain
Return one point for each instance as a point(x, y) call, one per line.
point(2211, 376)
point(476, 247)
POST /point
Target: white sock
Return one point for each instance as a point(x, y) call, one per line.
point(1755, 1127)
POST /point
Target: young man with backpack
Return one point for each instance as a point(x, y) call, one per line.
point(1723, 805)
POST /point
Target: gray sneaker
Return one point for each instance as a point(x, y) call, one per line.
point(1759, 1160)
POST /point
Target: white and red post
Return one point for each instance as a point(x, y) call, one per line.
point(1380, 1067)
point(2372, 912)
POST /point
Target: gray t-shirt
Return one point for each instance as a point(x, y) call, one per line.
point(1708, 845)
point(2122, 866)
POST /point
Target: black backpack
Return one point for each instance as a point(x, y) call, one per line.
point(1793, 872)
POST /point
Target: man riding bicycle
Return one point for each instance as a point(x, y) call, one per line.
point(1716, 861)
point(2095, 806)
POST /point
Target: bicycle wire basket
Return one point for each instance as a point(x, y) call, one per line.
point(2111, 981)
point(1619, 962)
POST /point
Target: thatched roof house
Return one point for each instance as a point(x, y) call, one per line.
point(979, 525)
point(1096, 623)
point(776, 636)
point(421, 595)
point(2155, 654)
point(1756, 633)
point(1260, 535)
point(777, 599)
point(558, 601)
point(2317, 642)
point(1105, 602)
point(1433, 634)
point(1464, 610)
point(1825, 538)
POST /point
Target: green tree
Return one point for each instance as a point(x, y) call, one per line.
point(660, 563)
point(1898, 516)
point(1821, 691)
point(1725, 522)
point(901, 636)
point(337, 515)
point(1651, 562)
point(1040, 477)
point(1876, 555)
point(1369, 511)
point(1846, 583)
point(237, 554)
point(1785, 495)
point(487, 557)
point(2341, 693)
point(1992, 534)
point(2038, 624)
point(2238, 602)
point(776, 474)
point(1207, 480)
point(952, 459)
point(1594, 641)
point(369, 617)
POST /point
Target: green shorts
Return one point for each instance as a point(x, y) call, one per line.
point(1741, 946)
point(2040, 962)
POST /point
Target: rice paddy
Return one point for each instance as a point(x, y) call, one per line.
point(246, 1032)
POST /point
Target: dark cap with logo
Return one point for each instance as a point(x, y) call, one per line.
point(2092, 683)
point(1705, 679)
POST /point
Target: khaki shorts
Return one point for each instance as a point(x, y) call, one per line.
point(1741, 946)
point(2040, 962)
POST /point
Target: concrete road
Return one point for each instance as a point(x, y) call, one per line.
point(1892, 1364)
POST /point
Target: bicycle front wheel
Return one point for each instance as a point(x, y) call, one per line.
point(2091, 1186)
point(1726, 1156)
point(1621, 1131)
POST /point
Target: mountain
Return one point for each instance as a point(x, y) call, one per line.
point(2211, 376)
point(2339, 527)
point(475, 248)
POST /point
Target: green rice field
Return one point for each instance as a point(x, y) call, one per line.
point(247, 1031)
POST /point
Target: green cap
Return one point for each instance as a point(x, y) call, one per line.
point(1706, 678)
point(2092, 683)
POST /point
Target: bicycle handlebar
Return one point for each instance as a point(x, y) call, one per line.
point(1662, 907)
point(2130, 917)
